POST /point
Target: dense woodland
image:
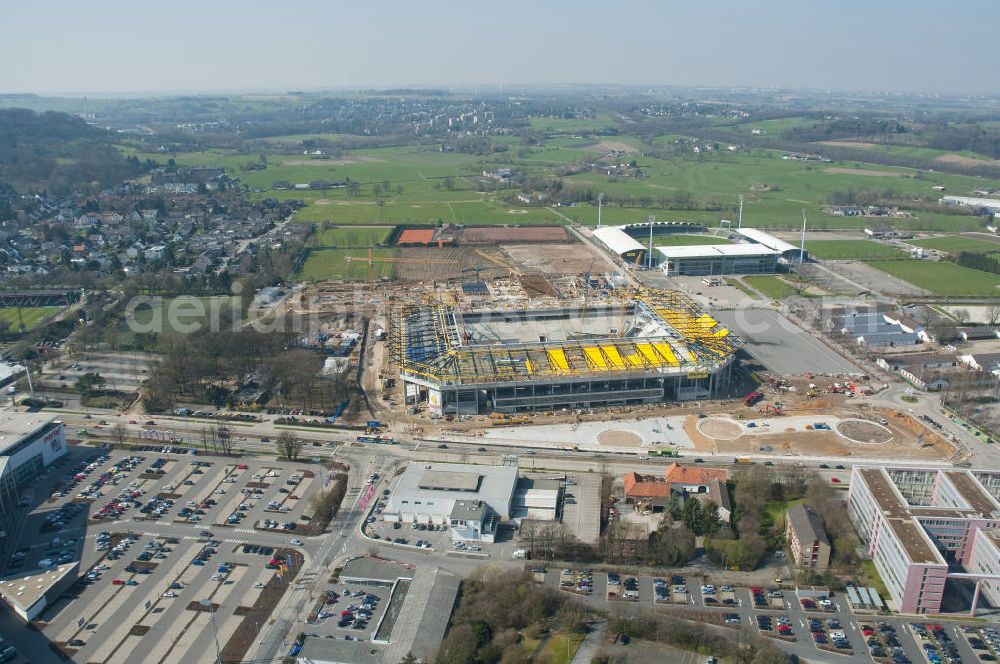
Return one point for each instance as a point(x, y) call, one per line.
point(59, 154)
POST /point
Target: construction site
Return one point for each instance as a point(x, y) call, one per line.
point(622, 349)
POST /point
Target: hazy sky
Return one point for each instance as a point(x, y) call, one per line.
point(71, 46)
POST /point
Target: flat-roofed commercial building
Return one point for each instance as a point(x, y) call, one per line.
point(718, 259)
point(28, 443)
point(921, 525)
point(28, 595)
point(430, 492)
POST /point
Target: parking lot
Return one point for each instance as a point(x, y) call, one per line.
point(350, 610)
point(156, 531)
point(817, 627)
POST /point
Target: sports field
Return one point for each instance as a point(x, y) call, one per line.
point(333, 264)
point(688, 240)
point(32, 317)
point(351, 237)
point(942, 277)
point(771, 286)
point(957, 244)
point(852, 249)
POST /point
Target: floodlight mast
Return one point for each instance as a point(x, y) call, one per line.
point(802, 246)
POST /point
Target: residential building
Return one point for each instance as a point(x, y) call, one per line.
point(806, 538)
point(926, 371)
point(647, 492)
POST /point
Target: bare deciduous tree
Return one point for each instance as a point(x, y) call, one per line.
point(120, 434)
point(288, 445)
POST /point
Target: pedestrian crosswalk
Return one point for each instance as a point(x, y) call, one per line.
point(244, 530)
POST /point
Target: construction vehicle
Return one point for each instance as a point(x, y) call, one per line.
point(771, 409)
point(752, 398)
point(503, 419)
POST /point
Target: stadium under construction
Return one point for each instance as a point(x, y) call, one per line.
point(642, 347)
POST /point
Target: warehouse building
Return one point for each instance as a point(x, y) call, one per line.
point(645, 348)
point(989, 204)
point(472, 499)
point(536, 499)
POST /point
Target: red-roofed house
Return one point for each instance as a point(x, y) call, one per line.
point(646, 489)
point(691, 479)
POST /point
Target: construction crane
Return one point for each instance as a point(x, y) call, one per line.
point(586, 275)
point(497, 261)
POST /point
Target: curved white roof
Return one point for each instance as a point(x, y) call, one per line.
point(617, 240)
point(766, 239)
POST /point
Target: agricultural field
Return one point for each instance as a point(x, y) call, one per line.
point(688, 240)
point(551, 125)
point(942, 277)
point(912, 151)
point(351, 237)
point(771, 286)
point(957, 244)
point(31, 316)
point(420, 184)
point(852, 249)
point(325, 264)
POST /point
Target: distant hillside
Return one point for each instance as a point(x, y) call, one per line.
point(57, 153)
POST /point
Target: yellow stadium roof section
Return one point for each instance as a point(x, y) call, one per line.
point(649, 332)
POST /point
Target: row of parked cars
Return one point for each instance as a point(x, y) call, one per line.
point(882, 642)
point(577, 581)
point(356, 616)
point(780, 624)
point(937, 645)
point(830, 633)
point(985, 641)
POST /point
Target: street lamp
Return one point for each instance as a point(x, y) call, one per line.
point(207, 603)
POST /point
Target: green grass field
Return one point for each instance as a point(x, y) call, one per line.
point(851, 249)
point(771, 286)
point(955, 245)
point(32, 317)
point(688, 240)
point(560, 648)
point(333, 264)
point(182, 310)
point(420, 184)
point(351, 237)
point(942, 277)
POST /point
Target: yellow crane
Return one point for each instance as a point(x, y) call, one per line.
point(497, 261)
